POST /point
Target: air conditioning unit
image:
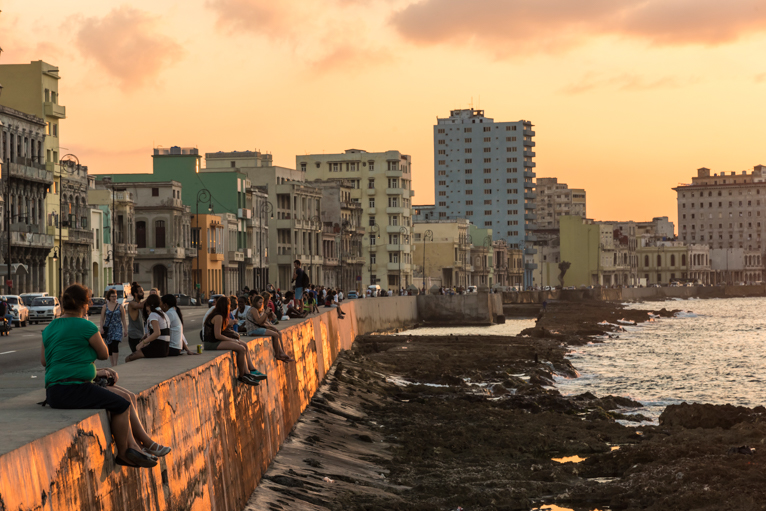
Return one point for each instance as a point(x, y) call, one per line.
point(249, 252)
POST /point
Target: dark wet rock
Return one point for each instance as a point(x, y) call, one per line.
point(691, 416)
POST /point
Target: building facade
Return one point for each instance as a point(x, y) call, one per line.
point(119, 203)
point(442, 252)
point(24, 241)
point(382, 184)
point(34, 89)
point(555, 199)
point(664, 262)
point(736, 265)
point(724, 210)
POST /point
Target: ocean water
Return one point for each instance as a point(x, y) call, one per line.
point(510, 327)
point(713, 352)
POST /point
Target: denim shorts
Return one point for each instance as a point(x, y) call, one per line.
point(257, 332)
point(298, 293)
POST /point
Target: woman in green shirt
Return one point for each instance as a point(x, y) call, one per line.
point(71, 345)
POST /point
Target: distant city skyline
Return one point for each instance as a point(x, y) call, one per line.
point(628, 100)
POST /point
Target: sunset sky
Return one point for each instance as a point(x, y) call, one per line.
point(628, 98)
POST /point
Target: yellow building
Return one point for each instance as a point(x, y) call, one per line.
point(599, 255)
point(441, 252)
point(207, 267)
point(33, 89)
point(664, 262)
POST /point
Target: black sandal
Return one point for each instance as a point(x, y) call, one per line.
point(139, 459)
point(124, 463)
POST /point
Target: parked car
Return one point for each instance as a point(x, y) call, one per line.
point(45, 308)
point(19, 311)
point(471, 289)
point(96, 304)
point(123, 292)
point(352, 295)
point(213, 299)
point(183, 299)
point(28, 298)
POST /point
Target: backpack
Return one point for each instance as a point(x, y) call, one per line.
point(305, 282)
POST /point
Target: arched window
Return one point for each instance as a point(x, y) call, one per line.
point(672, 259)
point(683, 259)
point(141, 234)
point(659, 260)
point(159, 234)
point(646, 261)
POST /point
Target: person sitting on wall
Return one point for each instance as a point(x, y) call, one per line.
point(156, 341)
point(292, 306)
point(135, 319)
point(214, 339)
point(257, 324)
point(70, 346)
point(240, 313)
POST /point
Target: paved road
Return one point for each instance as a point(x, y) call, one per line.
point(20, 369)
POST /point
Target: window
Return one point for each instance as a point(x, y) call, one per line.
point(488, 201)
point(469, 213)
point(487, 160)
point(488, 224)
point(440, 130)
point(371, 165)
point(513, 222)
point(646, 262)
point(469, 192)
point(442, 162)
point(393, 257)
point(467, 130)
point(141, 234)
point(513, 211)
point(469, 203)
point(156, 192)
point(510, 139)
point(672, 259)
point(441, 151)
point(442, 204)
point(513, 201)
point(488, 171)
point(487, 128)
point(373, 258)
point(469, 181)
point(442, 172)
point(442, 183)
point(440, 142)
point(510, 170)
point(468, 149)
point(469, 160)
point(487, 212)
point(510, 149)
point(488, 139)
point(468, 171)
point(442, 193)
point(393, 183)
point(487, 191)
point(488, 181)
point(487, 149)
point(370, 183)
point(159, 234)
point(335, 167)
point(468, 141)
point(511, 160)
point(372, 203)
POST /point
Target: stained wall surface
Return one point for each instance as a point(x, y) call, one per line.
point(223, 434)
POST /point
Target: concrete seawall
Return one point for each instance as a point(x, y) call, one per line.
point(224, 434)
point(627, 294)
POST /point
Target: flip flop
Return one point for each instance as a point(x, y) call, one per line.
point(285, 358)
point(157, 449)
point(248, 381)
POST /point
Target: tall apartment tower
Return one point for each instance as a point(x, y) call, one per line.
point(556, 199)
point(484, 171)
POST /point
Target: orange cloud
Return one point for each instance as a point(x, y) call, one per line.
point(626, 82)
point(518, 26)
point(263, 17)
point(127, 44)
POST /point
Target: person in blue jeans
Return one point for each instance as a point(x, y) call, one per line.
point(299, 277)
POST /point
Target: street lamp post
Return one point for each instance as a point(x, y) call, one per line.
point(374, 235)
point(402, 233)
point(266, 208)
point(428, 235)
point(203, 195)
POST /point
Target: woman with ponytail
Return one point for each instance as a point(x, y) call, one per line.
point(156, 341)
point(176, 319)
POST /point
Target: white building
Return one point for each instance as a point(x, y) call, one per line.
point(484, 171)
point(382, 184)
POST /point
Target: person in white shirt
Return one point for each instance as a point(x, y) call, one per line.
point(240, 313)
point(340, 296)
point(178, 344)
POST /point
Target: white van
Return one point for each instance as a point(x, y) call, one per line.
point(373, 290)
point(123, 291)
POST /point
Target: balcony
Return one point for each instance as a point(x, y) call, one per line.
point(529, 205)
point(529, 133)
point(530, 226)
point(371, 211)
point(161, 252)
point(394, 267)
point(530, 195)
point(24, 168)
point(190, 252)
point(529, 184)
point(370, 191)
point(394, 173)
point(530, 250)
point(394, 229)
point(54, 110)
point(530, 216)
point(529, 154)
point(397, 211)
point(405, 249)
point(529, 143)
point(395, 191)
point(28, 239)
point(530, 266)
point(530, 237)
point(235, 256)
point(530, 164)
point(80, 237)
point(244, 214)
point(125, 249)
point(330, 261)
point(215, 256)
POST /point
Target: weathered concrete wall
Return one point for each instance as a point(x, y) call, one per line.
point(223, 434)
point(480, 308)
point(639, 293)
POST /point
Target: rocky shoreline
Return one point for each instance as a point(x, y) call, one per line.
point(475, 422)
